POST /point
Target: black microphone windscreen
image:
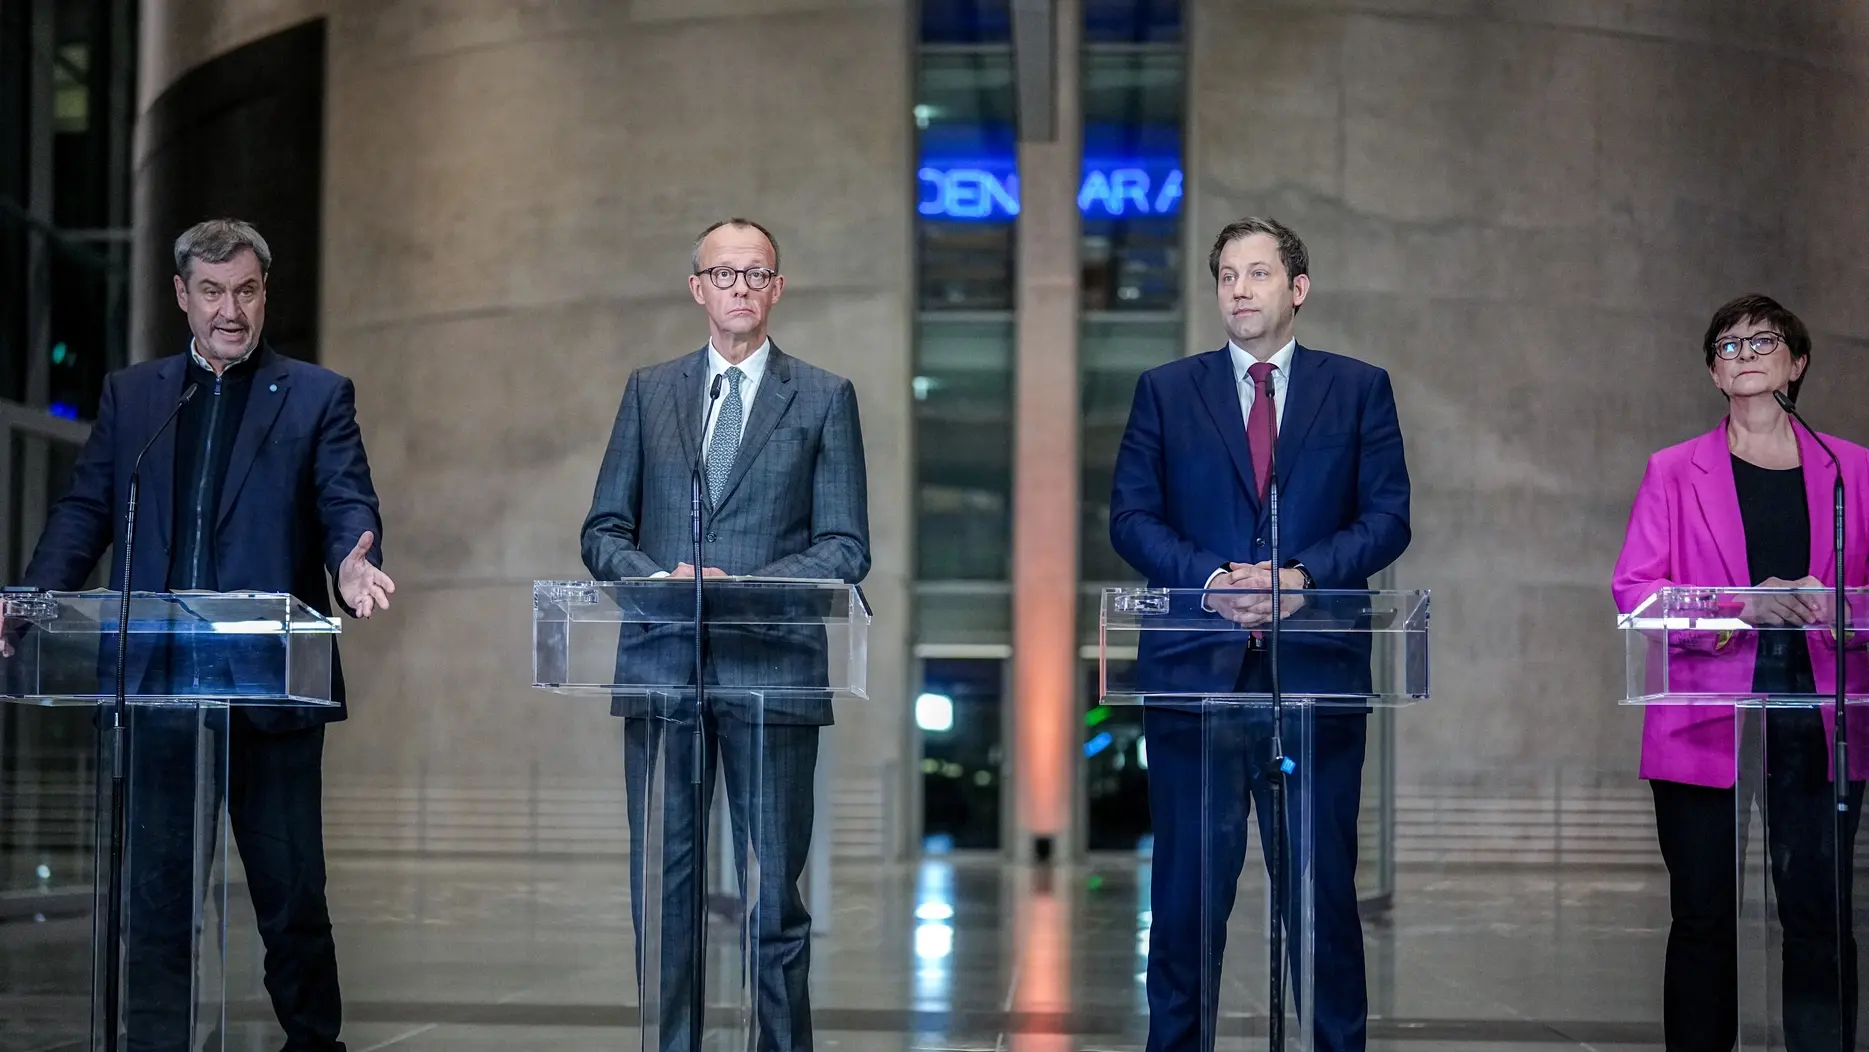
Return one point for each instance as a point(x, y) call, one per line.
point(714, 391)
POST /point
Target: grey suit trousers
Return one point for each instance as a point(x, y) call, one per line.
point(770, 799)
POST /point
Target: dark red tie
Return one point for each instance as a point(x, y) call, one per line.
point(1261, 425)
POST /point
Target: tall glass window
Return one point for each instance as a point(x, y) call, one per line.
point(1133, 313)
point(966, 215)
point(67, 79)
point(1130, 197)
point(967, 207)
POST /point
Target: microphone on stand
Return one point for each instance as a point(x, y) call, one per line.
point(113, 907)
point(1279, 767)
point(1840, 750)
point(697, 1004)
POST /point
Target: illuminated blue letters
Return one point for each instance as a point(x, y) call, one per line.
point(989, 190)
point(968, 193)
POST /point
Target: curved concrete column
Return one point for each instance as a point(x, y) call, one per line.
point(510, 191)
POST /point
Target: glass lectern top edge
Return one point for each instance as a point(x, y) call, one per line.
point(270, 613)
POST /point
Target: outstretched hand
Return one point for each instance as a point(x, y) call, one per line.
point(363, 587)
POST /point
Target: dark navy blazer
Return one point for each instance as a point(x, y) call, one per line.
point(296, 498)
point(1185, 503)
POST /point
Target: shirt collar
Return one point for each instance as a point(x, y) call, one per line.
point(203, 362)
point(1281, 361)
point(754, 367)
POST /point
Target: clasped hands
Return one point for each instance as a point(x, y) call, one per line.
point(1253, 607)
point(686, 570)
point(1772, 610)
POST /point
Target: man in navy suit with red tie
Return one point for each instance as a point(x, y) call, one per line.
point(1191, 509)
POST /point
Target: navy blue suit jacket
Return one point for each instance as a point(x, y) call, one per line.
point(296, 498)
point(1185, 503)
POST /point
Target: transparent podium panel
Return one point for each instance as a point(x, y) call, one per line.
point(1748, 677)
point(791, 637)
point(171, 985)
point(140, 961)
point(224, 648)
point(1253, 794)
point(720, 782)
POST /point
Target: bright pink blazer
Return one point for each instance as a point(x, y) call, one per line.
point(1685, 529)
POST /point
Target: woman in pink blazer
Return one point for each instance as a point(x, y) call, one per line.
point(1750, 504)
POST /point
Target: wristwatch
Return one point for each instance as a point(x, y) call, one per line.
point(1310, 583)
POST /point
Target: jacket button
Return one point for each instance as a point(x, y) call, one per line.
point(1258, 543)
point(711, 538)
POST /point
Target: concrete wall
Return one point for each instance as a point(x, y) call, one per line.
point(510, 193)
point(1527, 212)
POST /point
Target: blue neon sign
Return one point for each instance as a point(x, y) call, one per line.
point(987, 189)
point(968, 191)
point(970, 172)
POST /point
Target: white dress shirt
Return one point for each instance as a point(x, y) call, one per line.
point(1249, 391)
point(755, 369)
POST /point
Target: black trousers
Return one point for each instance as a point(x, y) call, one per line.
point(1698, 830)
point(770, 799)
point(274, 784)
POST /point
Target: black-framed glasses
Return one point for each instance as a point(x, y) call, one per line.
point(1762, 343)
point(723, 277)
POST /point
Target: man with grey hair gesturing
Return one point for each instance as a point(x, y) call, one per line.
point(261, 485)
point(786, 496)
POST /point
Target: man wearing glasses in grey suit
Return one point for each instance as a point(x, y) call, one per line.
point(786, 496)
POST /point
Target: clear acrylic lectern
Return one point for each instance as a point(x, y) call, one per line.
point(1199, 662)
point(188, 658)
point(1745, 679)
point(775, 655)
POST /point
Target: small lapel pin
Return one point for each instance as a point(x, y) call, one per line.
point(273, 387)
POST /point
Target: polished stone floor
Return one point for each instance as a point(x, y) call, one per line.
point(473, 954)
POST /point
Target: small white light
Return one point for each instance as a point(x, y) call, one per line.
point(934, 911)
point(934, 712)
point(44, 871)
point(933, 942)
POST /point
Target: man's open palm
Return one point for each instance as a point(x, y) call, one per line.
point(363, 587)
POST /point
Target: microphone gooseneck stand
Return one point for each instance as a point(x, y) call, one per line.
point(116, 742)
point(1277, 770)
point(697, 964)
point(1840, 749)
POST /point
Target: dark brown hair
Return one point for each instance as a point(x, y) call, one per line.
point(1770, 313)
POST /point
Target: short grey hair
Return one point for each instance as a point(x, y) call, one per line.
point(694, 254)
point(217, 241)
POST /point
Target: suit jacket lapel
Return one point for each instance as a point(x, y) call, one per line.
point(156, 481)
point(271, 380)
point(691, 402)
point(1219, 392)
point(1718, 497)
point(775, 394)
point(1820, 476)
point(1304, 396)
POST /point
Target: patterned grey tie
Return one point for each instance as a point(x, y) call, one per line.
point(726, 443)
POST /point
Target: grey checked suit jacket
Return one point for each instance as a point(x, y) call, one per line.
point(796, 504)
